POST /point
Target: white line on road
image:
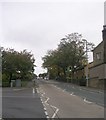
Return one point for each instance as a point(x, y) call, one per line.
point(47, 100)
point(46, 113)
point(37, 90)
point(42, 94)
point(72, 94)
point(87, 101)
point(33, 90)
point(44, 108)
point(55, 111)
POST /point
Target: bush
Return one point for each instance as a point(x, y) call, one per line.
point(5, 80)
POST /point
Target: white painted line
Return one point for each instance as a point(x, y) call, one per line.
point(47, 117)
point(87, 101)
point(37, 90)
point(72, 94)
point(53, 106)
point(33, 90)
point(42, 94)
point(46, 113)
point(44, 108)
point(55, 113)
point(47, 100)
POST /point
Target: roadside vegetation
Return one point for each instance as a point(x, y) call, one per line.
point(17, 65)
point(69, 57)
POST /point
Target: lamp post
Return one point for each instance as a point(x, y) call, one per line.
point(86, 47)
point(89, 47)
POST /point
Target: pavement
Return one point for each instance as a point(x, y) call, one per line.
point(22, 103)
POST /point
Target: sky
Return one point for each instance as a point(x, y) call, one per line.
point(38, 25)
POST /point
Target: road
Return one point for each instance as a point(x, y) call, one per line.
point(70, 103)
point(21, 103)
point(93, 95)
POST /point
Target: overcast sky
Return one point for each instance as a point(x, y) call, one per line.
point(39, 25)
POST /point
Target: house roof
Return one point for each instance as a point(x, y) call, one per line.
point(98, 45)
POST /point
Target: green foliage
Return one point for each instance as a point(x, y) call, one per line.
point(17, 64)
point(67, 58)
point(43, 75)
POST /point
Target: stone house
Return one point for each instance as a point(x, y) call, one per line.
point(97, 72)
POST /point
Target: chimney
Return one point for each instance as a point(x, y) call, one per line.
point(104, 41)
point(104, 33)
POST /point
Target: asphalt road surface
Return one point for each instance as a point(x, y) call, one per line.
point(21, 103)
point(71, 103)
point(93, 95)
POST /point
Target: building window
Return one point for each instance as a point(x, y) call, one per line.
point(98, 56)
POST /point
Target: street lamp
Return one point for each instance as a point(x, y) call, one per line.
point(86, 47)
point(89, 47)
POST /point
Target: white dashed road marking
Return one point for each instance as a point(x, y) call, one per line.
point(55, 111)
point(45, 110)
point(87, 101)
point(46, 102)
point(72, 94)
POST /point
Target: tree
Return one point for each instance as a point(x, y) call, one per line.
point(17, 64)
point(52, 63)
point(71, 53)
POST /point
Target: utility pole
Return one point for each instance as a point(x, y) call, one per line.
point(87, 49)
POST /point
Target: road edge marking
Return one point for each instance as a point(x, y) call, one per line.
point(85, 100)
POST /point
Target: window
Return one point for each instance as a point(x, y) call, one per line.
point(98, 56)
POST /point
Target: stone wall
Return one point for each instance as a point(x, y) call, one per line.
point(97, 76)
point(96, 83)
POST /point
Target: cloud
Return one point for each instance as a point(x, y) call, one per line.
point(39, 26)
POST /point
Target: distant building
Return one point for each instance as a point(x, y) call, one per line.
point(97, 73)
